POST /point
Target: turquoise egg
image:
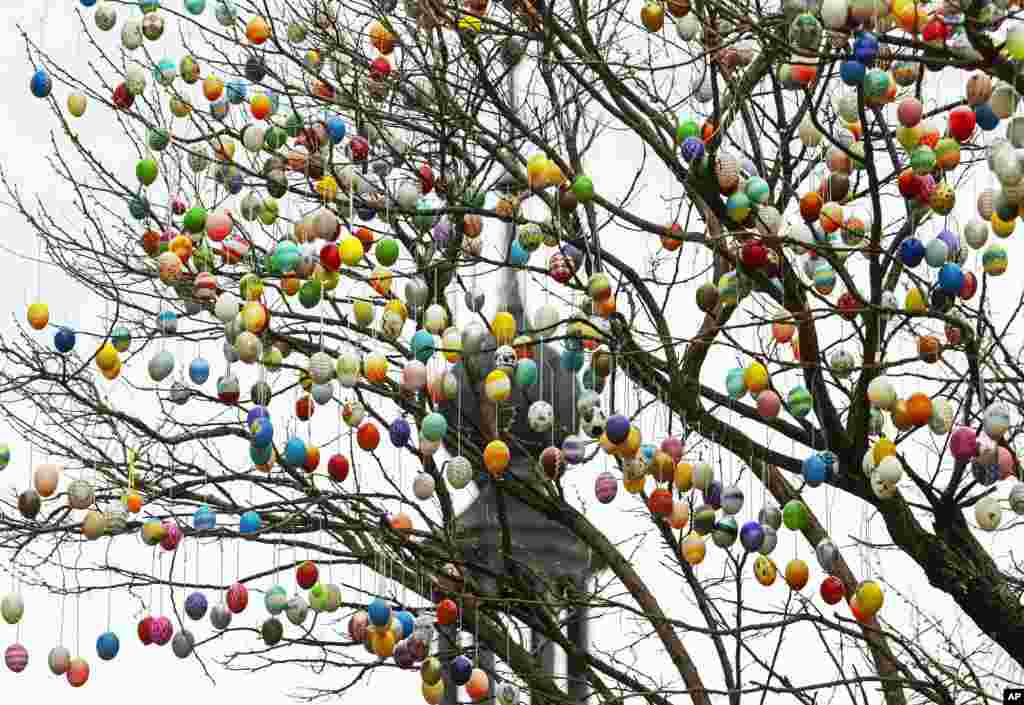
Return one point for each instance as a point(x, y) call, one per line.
point(276, 600)
point(433, 427)
point(423, 345)
point(824, 278)
point(195, 7)
point(757, 190)
point(526, 373)
point(735, 384)
point(799, 402)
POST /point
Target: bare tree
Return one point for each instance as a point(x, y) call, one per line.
point(440, 221)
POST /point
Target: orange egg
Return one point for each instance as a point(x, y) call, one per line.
point(496, 458)
point(901, 416)
point(810, 206)
point(797, 574)
point(365, 236)
point(478, 686)
point(401, 522)
point(605, 308)
point(260, 106)
point(38, 316)
point(381, 39)
point(368, 436)
point(929, 348)
point(181, 245)
point(213, 88)
point(312, 458)
point(133, 502)
point(291, 285)
point(919, 407)
point(257, 31)
point(472, 225)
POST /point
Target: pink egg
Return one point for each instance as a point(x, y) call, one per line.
point(909, 112)
point(16, 658)
point(768, 404)
point(358, 626)
point(218, 225)
point(172, 535)
point(963, 443)
point(161, 631)
point(674, 447)
point(1006, 464)
point(606, 487)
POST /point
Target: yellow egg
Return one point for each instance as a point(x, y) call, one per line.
point(693, 549)
point(351, 250)
point(363, 311)
point(755, 377)
point(38, 315)
point(498, 386)
point(327, 187)
point(376, 367)
point(1003, 228)
point(683, 479)
point(503, 327)
point(397, 306)
point(869, 597)
point(76, 104)
point(634, 485)
point(107, 358)
point(882, 449)
point(765, 570)
point(433, 693)
point(915, 301)
point(254, 315)
point(383, 643)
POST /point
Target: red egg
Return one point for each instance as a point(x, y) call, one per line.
point(961, 123)
point(359, 148)
point(832, 590)
point(307, 574)
point(337, 467)
point(145, 630)
point(754, 254)
point(969, 287)
point(330, 258)
point(426, 179)
point(304, 407)
point(447, 612)
point(660, 502)
point(238, 598)
point(122, 98)
point(849, 307)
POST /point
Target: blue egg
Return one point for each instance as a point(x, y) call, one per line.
point(236, 91)
point(250, 522)
point(379, 613)
point(852, 72)
point(219, 109)
point(195, 606)
point(647, 451)
point(815, 470)
point(986, 117)
point(911, 252)
point(295, 452)
point(256, 412)
point(335, 129)
point(692, 149)
point(199, 370)
point(263, 434)
point(399, 431)
point(204, 518)
point(107, 646)
point(951, 278)
point(64, 340)
point(713, 494)
point(88, 3)
point(461, 670)
point(752, 536)
point(517, 255)
point(41, 84)
point(423, 345)
point(617, 428)
point(865, 47)
point(407, 621)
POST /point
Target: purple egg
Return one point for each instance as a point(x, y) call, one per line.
point(713, 494)
point(442, 231)
point(573, 253)
point(574, 449)
point(963, 443)
point(952, 242)
point(400, 431)
point(195, 606)
point(606, 487)
point(617, 428)
point(752, 536)
point(403, 656)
